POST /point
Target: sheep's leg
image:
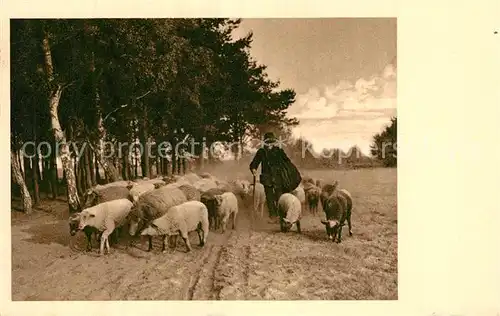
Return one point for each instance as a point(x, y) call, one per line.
point(164, 239)
point(88, 234)
point(103, 241)
point(234, 220)
point(198, 230)
point(107, 245)
point(224, 223)
point(150, 243)
point(261, 210)
point(185, 236)
point(174, 239)
point(298, 227)
point(349, 223)
point(339, 233)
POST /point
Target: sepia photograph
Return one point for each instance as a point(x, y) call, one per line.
point(204, 159)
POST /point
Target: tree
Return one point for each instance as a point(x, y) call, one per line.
point(384, 144)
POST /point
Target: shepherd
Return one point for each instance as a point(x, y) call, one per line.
point(278, 174)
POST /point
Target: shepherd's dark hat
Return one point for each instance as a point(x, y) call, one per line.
point(269, 136)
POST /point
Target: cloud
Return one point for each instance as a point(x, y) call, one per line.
point(348, 113)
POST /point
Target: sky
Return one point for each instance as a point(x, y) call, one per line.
point(342, 69)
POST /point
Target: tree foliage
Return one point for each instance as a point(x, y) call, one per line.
point(128, 80)
point(384, 146)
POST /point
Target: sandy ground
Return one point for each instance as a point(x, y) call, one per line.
point(253, 262)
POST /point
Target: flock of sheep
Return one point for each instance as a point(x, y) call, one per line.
point(177, 205)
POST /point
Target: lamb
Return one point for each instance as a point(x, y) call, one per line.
point(138, 190)
point(153, 205)
point(227, 205)
point(312, 198)
point(259, 198)
point(93, 197)
point(290, 212)
point(338, 209)
point(204, 185)
point(192, 194)
point(208, 198)
point(180, 220)
point(105, 217)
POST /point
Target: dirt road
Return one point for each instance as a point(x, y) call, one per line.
point(255, 261)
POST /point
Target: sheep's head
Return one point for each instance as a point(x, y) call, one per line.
point(130, 186)
point(331, 228)
point(134, 220)
point(218, 200)
point(159, 185)
point(85, 218)
point(286, 225)
point(74, 222)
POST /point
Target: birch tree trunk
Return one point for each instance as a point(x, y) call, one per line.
point(19, 179)
point(109, 170)
point(54, 98)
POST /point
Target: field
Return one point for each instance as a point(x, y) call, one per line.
point(253, 262)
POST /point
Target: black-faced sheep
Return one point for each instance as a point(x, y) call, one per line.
point(208, 198)
point(180, 220)
point(290, 212)
point(338, 208)
point(227, 205)
point(105, 217)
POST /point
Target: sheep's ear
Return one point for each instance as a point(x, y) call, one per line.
point(324, 222)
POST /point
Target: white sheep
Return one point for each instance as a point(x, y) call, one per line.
point(180, 220)
point(203, 185)
point(290, 212)
point(227, 205)
point(138, 190)
point(105, 217)
point(244, 185)
point(301, 195)
point(259, 199)
point(152, 205)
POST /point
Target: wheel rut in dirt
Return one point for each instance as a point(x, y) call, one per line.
point(216, 269)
